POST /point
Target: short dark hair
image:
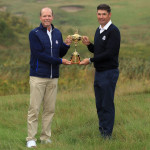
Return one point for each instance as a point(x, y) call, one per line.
point(104, 7)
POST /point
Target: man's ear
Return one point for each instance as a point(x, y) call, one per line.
point(53, 17)
point(110, 14)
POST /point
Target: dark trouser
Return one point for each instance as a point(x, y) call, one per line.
point(104, 87)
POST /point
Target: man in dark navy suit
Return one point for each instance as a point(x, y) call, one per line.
point(106, 51)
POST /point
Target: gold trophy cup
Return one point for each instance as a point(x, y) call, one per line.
point(75, 57)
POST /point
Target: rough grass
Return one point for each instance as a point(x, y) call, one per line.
point(127, 15)
point(75, 124)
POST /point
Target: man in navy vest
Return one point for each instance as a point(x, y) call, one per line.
point(106, 51)
point(47, 49)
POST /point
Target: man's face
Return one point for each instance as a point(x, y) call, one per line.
point(46, 17)
point(103, 17)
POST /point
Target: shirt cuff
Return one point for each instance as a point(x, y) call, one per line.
point(90, 61)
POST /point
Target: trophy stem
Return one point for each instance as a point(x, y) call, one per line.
point(75, 58)
point(75, 47)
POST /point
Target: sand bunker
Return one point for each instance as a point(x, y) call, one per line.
point(3, 8)
point(72, 8)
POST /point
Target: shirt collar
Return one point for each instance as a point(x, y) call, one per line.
point(106, 26)
point(50, 30)
point(44, 28)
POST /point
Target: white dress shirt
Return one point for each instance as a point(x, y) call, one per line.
point(105, 27)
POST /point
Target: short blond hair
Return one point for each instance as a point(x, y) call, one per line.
point(46, 8)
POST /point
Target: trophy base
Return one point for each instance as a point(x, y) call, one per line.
point(75, 58)
point(75, 62)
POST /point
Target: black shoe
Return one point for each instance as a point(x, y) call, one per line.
point(107, 137)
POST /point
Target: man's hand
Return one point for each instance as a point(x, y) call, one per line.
point(66, 62)
point(68, 40)
point(85, 40)
point(84, 62)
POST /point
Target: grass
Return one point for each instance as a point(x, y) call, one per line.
point(75, 124)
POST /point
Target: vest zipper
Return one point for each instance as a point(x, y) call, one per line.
point(37, 65)
point(51, 64)
point(51, 56)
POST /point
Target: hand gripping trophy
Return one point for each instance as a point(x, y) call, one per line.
point(75, 58)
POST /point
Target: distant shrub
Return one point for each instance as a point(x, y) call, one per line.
point(10, 28)
point(7, 35)
point(135, 68)
point(19, 24)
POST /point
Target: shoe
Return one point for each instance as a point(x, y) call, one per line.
point(31, 144)
point(48, 141)
point(106, 136)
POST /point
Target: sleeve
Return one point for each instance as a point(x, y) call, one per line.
point(37, 50)
point(63, 48)
point(91, 47)
point(111, 48)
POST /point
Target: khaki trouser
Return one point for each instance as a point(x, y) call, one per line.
point(41, 90)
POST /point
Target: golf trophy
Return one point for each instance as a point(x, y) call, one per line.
point(75, 58)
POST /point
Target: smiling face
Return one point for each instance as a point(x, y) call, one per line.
point(46, 17)
point(103, 17)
